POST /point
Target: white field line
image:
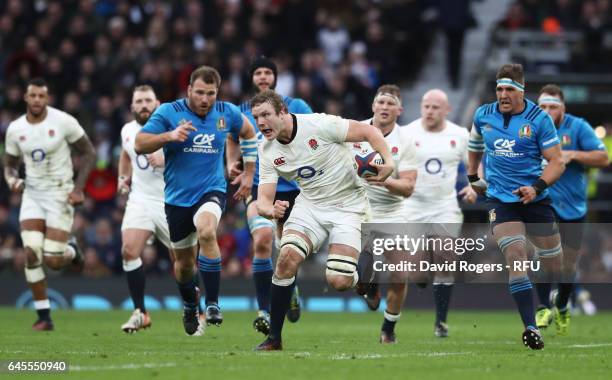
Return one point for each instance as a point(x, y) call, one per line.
point(590, 345)
point(115, 367)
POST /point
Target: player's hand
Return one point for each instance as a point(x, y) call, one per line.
point(235, 170)
point(156, 159)
point(16, 184)
point(468, 194)
point(245, 183)
point(480, 186)
point(384, 171)
point(181, 133)
point(76, 197)
point(280, 207)
point(526, 194)
point(123, 184)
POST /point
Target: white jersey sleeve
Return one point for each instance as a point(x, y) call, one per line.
point(73, 129)
point(11, 143)
point(267, 173)
point(333, 128)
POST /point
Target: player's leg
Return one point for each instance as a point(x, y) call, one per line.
point(184, 243)
point(58, 250)
point(262, 230)
point(542, 229)
point(206, 219)
point(295, 247)
point(294, 312)
point(33, 237)
point(509, 232)
point(396, 295)
point(133, 242)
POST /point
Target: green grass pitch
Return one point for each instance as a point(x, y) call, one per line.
point(482, 345)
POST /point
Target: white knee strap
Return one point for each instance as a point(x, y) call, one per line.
point(54, 247)
point(34, 240)
point(211, 207)
point(258, 222)
point(546, 253)
point(34, 275)
point(506, 241)
point(341, 265)
point(297, 243)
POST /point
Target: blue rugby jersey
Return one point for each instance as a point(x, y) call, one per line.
point(513, 146)
point(194, 167)
point(569, 192)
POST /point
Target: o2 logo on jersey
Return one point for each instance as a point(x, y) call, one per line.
point(202, 143)
point(38, 155)
point(142, 162)
point(433, 166)
point(307, 172)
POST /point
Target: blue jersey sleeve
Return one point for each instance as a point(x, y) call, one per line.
point(234, 119)
point(300, 106)
point(546, 133)
point(587, 140)
point(158, 123)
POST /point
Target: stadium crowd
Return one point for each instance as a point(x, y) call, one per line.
point(92, 53)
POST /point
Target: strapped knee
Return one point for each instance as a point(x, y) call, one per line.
point(34, 241)
point(54, 247)
point(258, 222)
point(340, 265)
point(546, 253)
point(507, 241)
point(297, 243)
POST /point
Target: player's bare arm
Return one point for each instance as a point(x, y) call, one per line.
point(248, 148)
point(125, 173)
point(550, 175)
point(11, 173)
point(591, 158)
point(150, 142)
point(479, 185)
point(358, 132)
point(86, 150)
point(403, 185)
point(232, 157)
point(266, 206)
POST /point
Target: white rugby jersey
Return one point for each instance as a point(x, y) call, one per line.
point(318, 158)
point(45, 149)
point(147, 181)
point(402, 149)
point(438, 156)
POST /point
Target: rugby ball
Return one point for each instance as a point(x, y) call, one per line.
point(364, 164)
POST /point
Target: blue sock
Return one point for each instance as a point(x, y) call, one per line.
point(210, 270)
point(521, 290)
point(262, 276)
point(188, 292)
point(543, 289)
point(442, 295)
point(280, 299)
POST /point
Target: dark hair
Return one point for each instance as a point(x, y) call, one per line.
point(268, 96)
point(554, 90)
point(38, 82)
point(263, 61)
point(207, 74)
point(513, 71)
point(390, 89)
